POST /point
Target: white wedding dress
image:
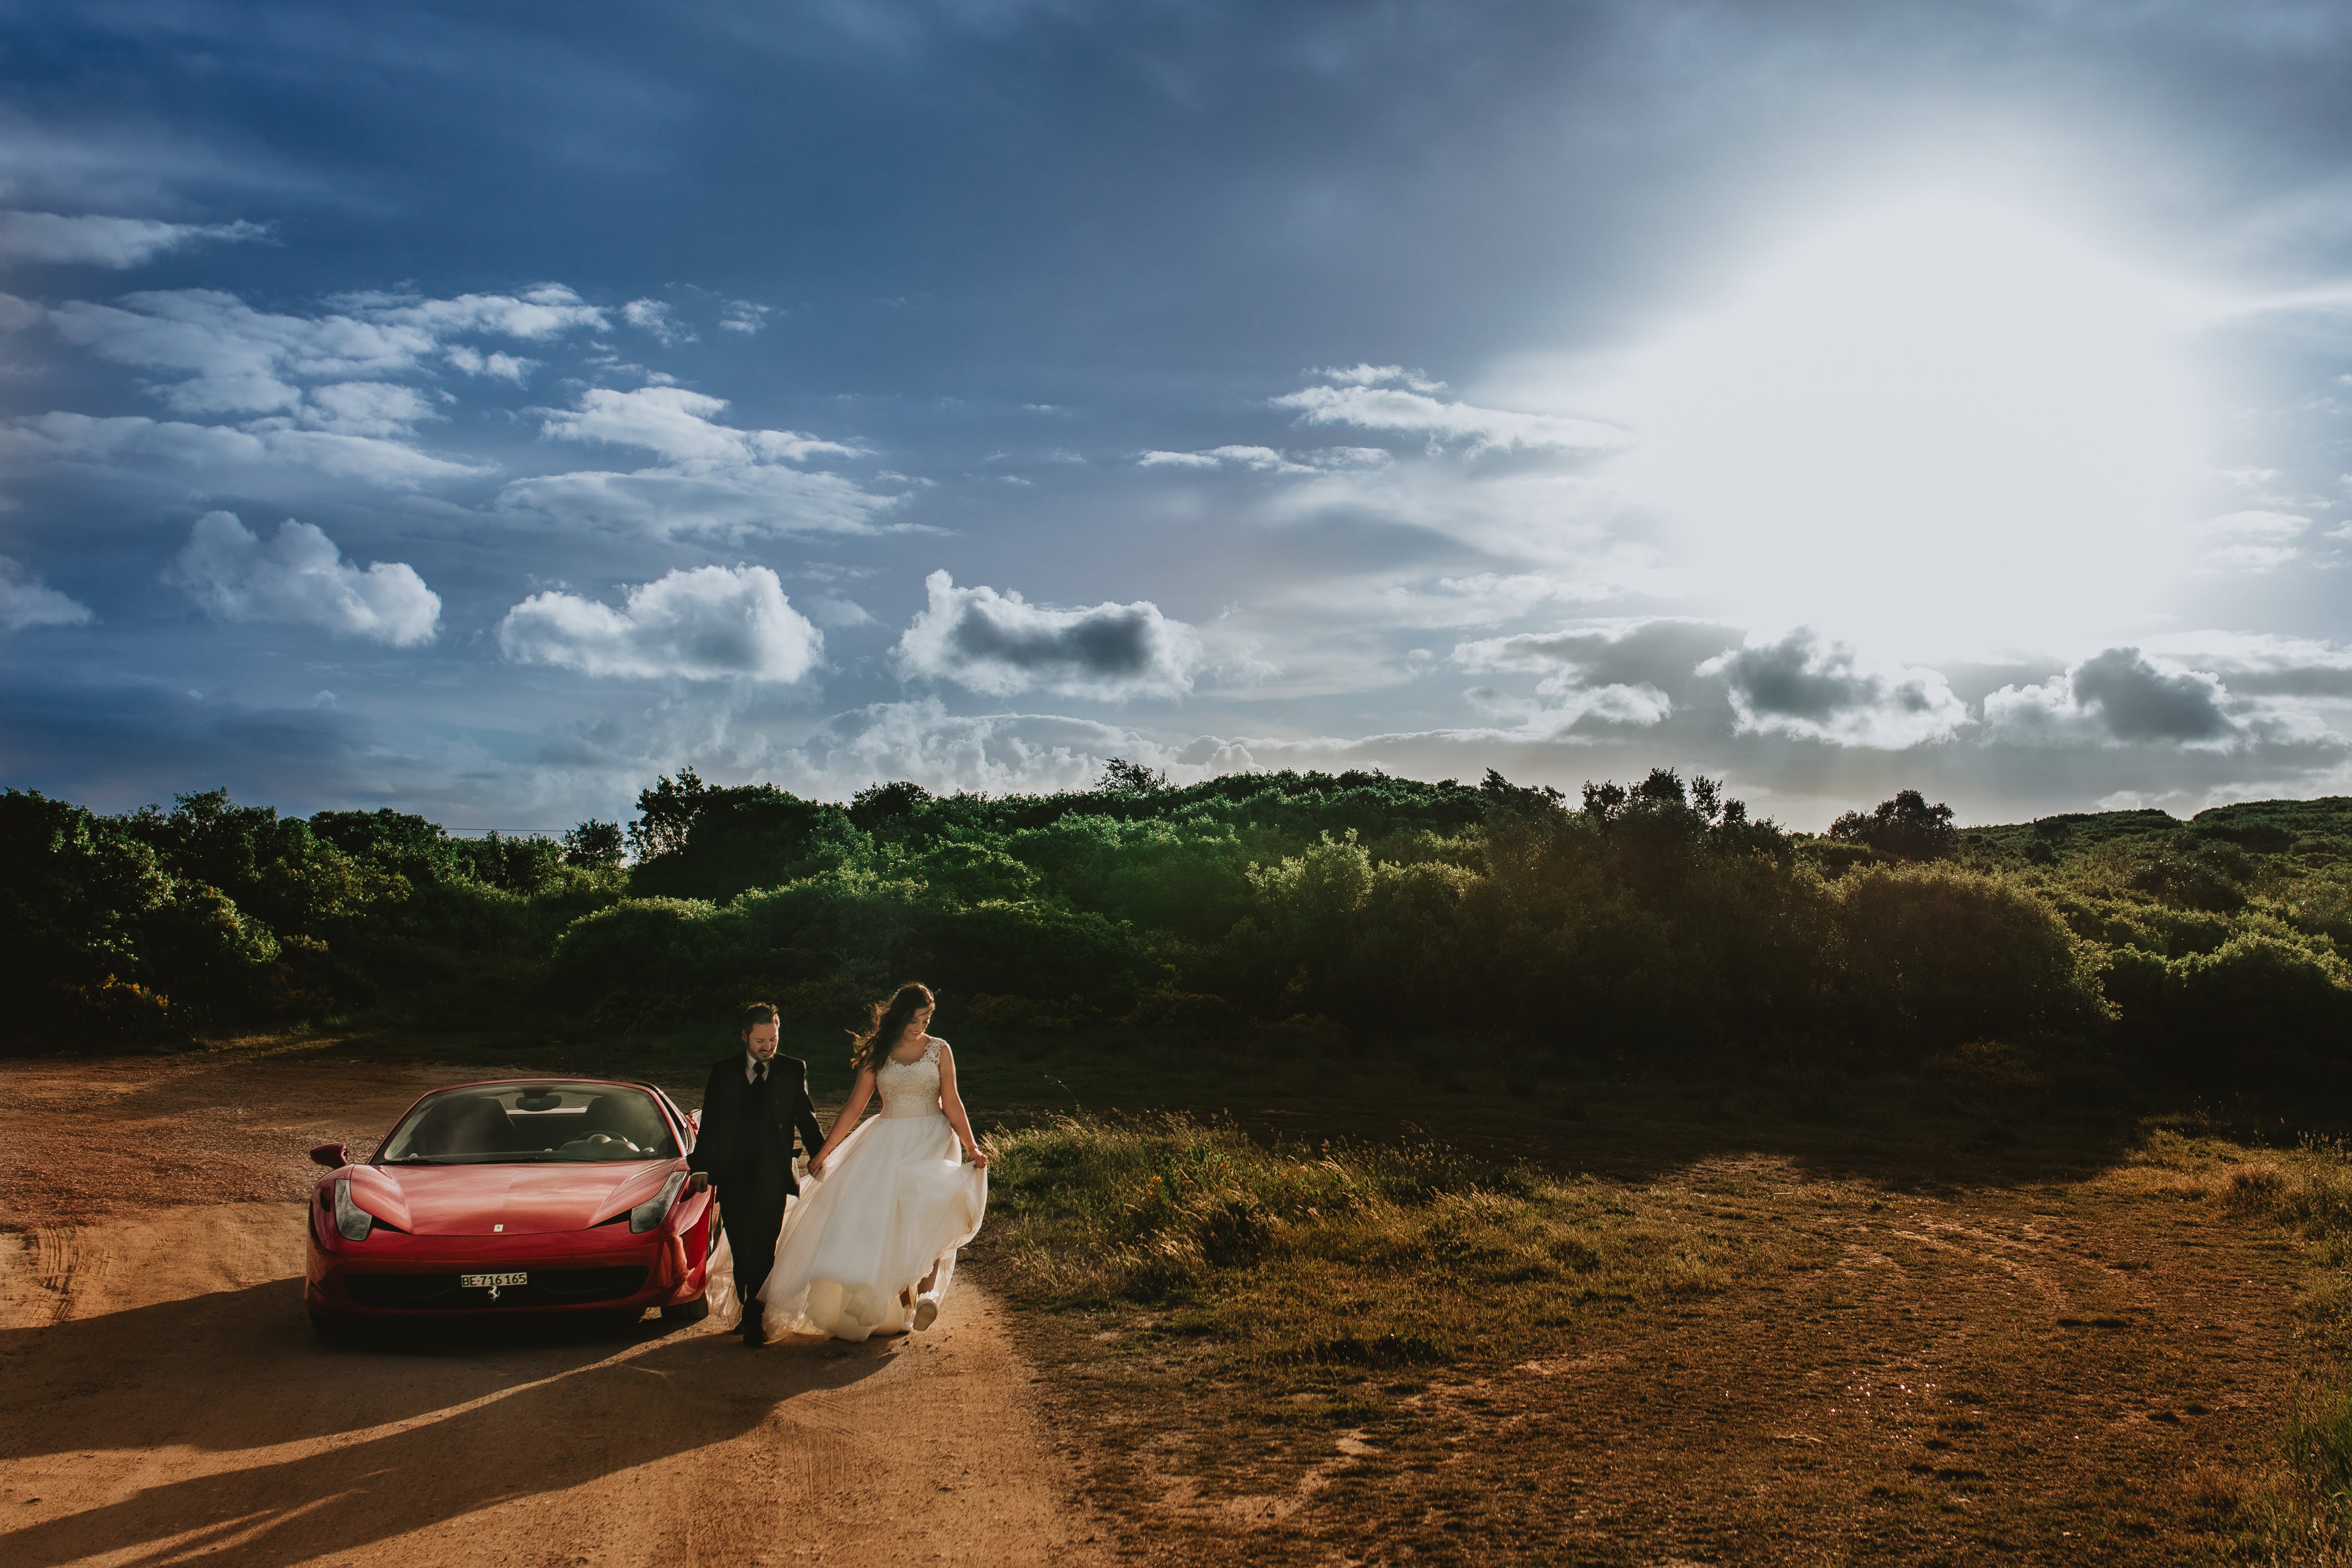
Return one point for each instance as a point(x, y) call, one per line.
point(894, 1204)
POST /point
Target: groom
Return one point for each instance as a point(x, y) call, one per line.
point(754, 1102)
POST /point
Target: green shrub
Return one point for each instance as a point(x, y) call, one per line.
point(2261, 1000)
point(1935, 954)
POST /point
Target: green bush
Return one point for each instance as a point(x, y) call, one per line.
point(1937, 955)
point(2261, 1000)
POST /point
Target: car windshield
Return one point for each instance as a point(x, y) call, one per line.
point(513, 1123)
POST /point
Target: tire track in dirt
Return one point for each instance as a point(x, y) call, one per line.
point(162, 1397)
point(2057, 1374)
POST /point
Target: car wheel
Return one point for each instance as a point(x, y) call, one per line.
point(692, 1311)
point(329, 1328)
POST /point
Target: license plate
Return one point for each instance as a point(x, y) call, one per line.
point(477, 1281)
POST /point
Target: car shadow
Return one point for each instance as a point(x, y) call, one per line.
point(475, 1418)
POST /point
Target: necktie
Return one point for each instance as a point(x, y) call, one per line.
point(758, 1072)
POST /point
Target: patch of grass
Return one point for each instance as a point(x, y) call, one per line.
point(1261, 1335)
point(1294, 1256)
point(2300, 1513)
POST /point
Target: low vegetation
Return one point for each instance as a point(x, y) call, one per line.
point(1512, 924)
point(2300, 1510)
point(1286, 1256)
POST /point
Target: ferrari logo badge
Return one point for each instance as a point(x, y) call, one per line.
point(494, 1292)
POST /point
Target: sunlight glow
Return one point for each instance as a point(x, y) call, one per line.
point(1942, 426)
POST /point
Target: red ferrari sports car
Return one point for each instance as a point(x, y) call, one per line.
point(528, 1194)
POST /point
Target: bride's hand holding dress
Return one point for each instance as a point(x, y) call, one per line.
point(871, 1246)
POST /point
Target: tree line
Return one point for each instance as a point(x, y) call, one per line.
point(1652, 916)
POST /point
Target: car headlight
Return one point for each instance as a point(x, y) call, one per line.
point(352, 1223)
point(655, 1209)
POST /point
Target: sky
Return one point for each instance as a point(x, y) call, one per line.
point(483, 410)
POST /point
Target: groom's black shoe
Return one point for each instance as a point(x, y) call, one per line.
point(754, 1327)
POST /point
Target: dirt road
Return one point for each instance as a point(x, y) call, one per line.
point(162, 1398)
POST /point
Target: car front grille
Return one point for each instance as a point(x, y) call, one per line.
point(547, 1288)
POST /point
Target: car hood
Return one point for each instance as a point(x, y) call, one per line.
point(505, 1200)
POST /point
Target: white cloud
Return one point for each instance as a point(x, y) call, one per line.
point(1382, 397)
point(994, 753)
point(763, 499)
point(107, 241)
point(680, 425)
point(2254, 540)
point(999, 644)
point(1194, 459)
point(1796, 686)
point(299, 578)
point(743, 316)
point(501, 366)
point(25, 601)
point(1266, 460)
point(364, 409)
point(654, 316)
point(15, 314)
point(1560, 704)
point(233, 359)
point(1376, 375)
point(537, 314)
point(81, 438)
point(713, 623)
point(834, 611)
point(712, 479)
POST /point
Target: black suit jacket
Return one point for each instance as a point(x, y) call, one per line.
point(728, 1147)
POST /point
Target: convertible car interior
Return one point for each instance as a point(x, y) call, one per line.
point(503, 1124)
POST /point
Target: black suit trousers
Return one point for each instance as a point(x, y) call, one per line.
point(751, 1213)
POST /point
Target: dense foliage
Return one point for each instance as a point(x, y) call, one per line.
point(1656, 917)
point(215, 914)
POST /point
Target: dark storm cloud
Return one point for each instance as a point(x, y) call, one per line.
point(1800, 686)
point(1793, 678)
point(1001, 644)
point(2137, 701)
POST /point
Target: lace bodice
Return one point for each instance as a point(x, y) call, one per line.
point(910, 1089)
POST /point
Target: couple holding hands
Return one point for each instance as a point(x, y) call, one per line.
point(871, 1246)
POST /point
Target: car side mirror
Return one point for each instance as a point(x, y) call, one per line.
point(700, 1183)
point(335, 1156)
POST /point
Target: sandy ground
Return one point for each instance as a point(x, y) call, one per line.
point(163, 1399)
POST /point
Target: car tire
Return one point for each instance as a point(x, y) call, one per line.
point(331, 1329)
point(692, 1311)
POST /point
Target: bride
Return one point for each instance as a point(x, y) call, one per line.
point(871, 1246)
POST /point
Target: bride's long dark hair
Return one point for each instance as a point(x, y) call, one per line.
point(888, 1023)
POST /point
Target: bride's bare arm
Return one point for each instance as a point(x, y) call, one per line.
point(846, 1122)
point(952, 1104)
